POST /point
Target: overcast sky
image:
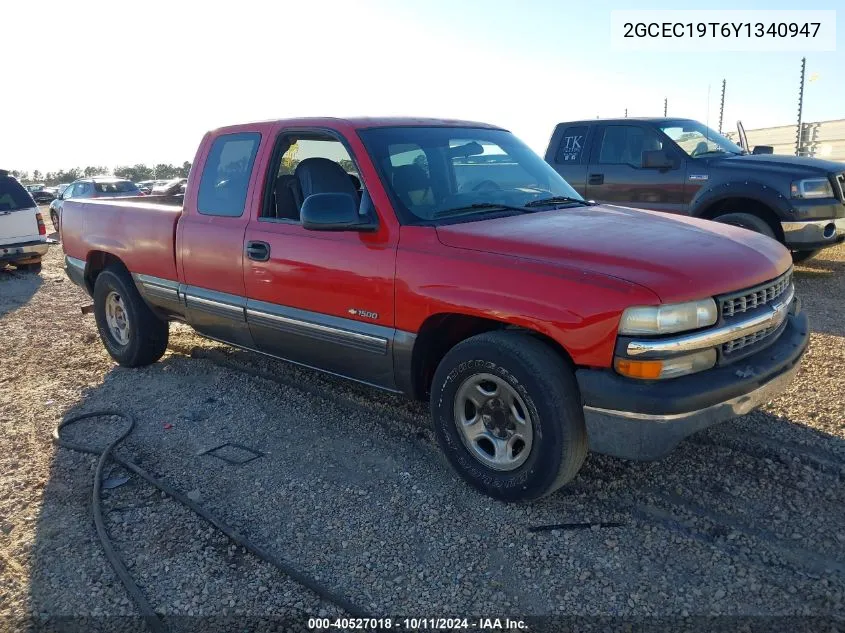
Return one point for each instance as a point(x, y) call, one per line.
point(94, 82)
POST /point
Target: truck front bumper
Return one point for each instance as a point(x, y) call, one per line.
point(645, 420)
point(23, 252)
point(813, 234)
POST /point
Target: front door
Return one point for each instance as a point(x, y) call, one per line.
point(318, 298)
point(616, 174)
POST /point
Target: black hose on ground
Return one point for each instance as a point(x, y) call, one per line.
point(146, 610)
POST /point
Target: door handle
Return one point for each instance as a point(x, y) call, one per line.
point(258, 251)
point(596, 179)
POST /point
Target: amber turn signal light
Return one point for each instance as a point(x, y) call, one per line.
point(648, 369)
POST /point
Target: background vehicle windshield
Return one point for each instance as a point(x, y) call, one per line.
point(431, 171)
point(696, 139)
point(120, 186)
point(13, 196)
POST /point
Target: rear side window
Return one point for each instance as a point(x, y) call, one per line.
point(123, 186)
point(13, 196)
point(225, 178)
point(572, 146)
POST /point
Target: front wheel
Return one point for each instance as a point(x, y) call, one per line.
point(507, 414)
point(802, 256)
point(131, 332)
point(747, 221)
point(54, 218)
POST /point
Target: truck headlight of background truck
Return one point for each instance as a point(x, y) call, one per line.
point(812, 188)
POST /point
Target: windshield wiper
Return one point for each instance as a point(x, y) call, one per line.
point(556, 200)
point(475, 208)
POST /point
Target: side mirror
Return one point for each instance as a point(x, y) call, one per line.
point(763, 149)
point(657, 159)
point(333, 212)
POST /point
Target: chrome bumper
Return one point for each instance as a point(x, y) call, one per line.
point(813, 233)
point(24, 251)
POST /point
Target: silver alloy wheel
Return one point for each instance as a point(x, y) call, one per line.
point(117, 318)
point(493, 422)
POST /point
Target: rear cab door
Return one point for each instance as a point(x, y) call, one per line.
point(321, 298)
point(568, 153)
point(616, 174)
point(210, 233)
point(18, 214)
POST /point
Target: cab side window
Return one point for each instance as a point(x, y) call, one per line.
point(572, 146)
point(625, 144)
point(225, 177)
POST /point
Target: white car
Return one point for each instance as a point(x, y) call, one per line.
point(23, 236)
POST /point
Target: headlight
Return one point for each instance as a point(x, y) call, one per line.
point(667, 367)
point(667, 319)
point(812, 188)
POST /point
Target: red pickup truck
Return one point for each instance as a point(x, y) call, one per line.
point(447, 261)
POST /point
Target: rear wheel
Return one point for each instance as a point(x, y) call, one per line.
point(507, 414)
point(131, 332)
point(747, 221)
point(802, 256)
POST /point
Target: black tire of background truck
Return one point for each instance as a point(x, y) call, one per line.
point(33, 267)
point(747, 221)
point(54, 218)
point(803, 256)
point(548, 388)
point(147, 333)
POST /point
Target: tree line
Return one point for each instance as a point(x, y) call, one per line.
point(135, 173)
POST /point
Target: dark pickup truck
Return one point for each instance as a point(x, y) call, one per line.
point(682, 166)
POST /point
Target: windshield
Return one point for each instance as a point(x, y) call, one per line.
point(435, 172)
point(696, 139)
point(13, 196)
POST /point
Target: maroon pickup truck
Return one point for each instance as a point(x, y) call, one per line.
point(447, 261)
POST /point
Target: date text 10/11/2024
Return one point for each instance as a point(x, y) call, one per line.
point(418, 624)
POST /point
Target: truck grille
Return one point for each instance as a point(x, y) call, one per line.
point(745, 341)
point(747, 300)
point(840, 179)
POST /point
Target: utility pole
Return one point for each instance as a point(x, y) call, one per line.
point(626, 113)
point(665, 105)
point(722, 106)
point(799, 135)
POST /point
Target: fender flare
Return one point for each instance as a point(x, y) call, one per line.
point(764, 194)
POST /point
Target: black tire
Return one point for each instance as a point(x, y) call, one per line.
point(147, 334)
point(802, 256)
point(32, 267)
point(548, 388)
point(748, 221)
point(54, 218)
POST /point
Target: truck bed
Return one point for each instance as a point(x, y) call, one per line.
point(140, 230)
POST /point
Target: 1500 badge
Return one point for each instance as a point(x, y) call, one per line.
point(363, 313)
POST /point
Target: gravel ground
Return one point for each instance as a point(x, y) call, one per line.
point(744, 519)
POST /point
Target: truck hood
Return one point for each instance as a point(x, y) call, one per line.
point(678, 258)
point(795, 166)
